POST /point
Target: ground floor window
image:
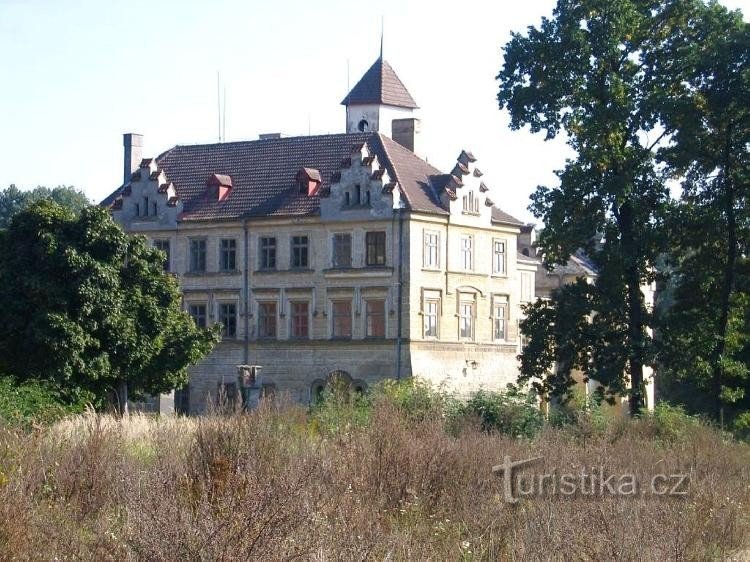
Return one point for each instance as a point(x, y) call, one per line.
point(267, 320)
point(375, 317)
point(341, 313)
point(466, 320)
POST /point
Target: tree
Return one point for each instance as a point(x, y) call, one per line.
point(13, 200)
point(90, 308)
point(705, 335)
point(592, 72)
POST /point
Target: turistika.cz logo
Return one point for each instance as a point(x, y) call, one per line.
point(592, 483)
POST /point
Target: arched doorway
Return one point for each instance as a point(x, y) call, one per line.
point(336, 381)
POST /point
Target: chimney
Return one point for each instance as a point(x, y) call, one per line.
point(269, 136)
point(406, 132)
point(133, 144)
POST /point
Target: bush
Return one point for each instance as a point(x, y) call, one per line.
point(339, 409)
point(513, 412)
point(414, 398)
point(741, 426)
point(32, 402)
point(669, 423)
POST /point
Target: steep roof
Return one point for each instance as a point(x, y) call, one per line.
point(380, 85)
point(264, 174)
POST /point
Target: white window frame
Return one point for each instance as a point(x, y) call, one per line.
point(430, 249)
point(499, 268)
point(471, 304)
point(466, 252)
point(500, 303)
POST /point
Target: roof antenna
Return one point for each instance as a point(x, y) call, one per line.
point(224, 117)
point(218, 101)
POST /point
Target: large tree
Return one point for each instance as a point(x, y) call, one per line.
point(13, 200)
point(90, 308)
point(704, 334)
point(592, 72)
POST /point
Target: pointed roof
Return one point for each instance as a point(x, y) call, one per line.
point(380, 85)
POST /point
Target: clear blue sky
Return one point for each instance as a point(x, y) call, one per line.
point(77, 74)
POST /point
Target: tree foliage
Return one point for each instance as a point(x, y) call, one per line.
point(14, 200)
point(705, 333)
point(592, 72)
point(90, 308)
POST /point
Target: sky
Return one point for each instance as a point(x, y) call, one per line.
point(78, 74)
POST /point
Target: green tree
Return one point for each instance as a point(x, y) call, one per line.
point(90, 308)
point(592, 73)
point(705, 335)
point(13, 200)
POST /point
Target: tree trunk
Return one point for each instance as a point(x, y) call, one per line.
point(122, 397)
point(635, 318)
point(726, 291)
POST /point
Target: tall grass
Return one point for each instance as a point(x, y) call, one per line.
point(281, 483)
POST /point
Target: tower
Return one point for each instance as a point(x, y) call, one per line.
point(377, 100)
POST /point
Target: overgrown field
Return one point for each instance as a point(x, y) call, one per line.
point(395, 477)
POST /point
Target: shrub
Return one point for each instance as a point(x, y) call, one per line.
point(513, 412)
point(339, 409)
point(668, 423)
point(414, 398)
point(32, 402)
point(742, 426)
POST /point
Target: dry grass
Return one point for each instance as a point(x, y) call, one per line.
point(270, 486)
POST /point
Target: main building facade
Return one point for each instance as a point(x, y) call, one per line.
point(343, 254)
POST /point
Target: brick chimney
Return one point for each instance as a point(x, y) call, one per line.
point(133, 144)
point(406, 133)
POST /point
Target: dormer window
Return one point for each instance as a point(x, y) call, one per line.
point(363, 126)
point(220, 186)
point(308, 181)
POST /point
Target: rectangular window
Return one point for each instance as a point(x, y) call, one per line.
point(499, 321)
point(163, 245)
point(467, 253)
point(375, 316)
point(198, 255)
point(431, 308)
point(431, 257)
point(267, 320)
point(341, 312)
point(154, 208)
point(228, 255)
point(466, 321)
point(342, 250)
point(268, 253)
point(498, 257)
point(198, 314)
point(300, 252)
point(300, 320)
point(375, 242)
point(527, 286)
point(228, 319)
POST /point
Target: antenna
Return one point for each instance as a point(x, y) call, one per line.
point(218, 101)
point(348, 91)
point(224, 117)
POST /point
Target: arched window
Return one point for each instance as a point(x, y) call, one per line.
point(363, 126)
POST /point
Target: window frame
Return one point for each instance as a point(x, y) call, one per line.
point(226, 253)
point(500, 304)
point(338, 236)
point(226, 331)
point(204, 306)
point(465, 252)
point(267, 253)
point(293, 316)
point(335, 316)
point(266, 321)
point(294, 246)
point(428, 248)
point(369, 316)
point(428, 301)
point(157, 243)
point(503, 270)
point(203, 254)
point(376, 240)
point(469, 319)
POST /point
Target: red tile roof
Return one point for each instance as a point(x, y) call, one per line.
point(380, 85)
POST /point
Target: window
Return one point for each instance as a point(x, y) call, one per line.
point(228, 255)
point(431, 257)
point(367, 198)
point(341, 312)
point(466, 320)
point(375, 242)
point(268, 253)
point(154, 208)
point(527, 286)
point(198, 254)
point(347, 199)
point(431, 308)
point(137, 209)
point(498, 256)
point(467, 253)
point(300, 319)
point(357, 195)
point(470, 203)
point(300, 252)
point(228, 319)
point(163, 245)
point(145, 206)
point(198, 314)
point(342, 250)
point(267, 320)
point(499, 320)
point(375, 316)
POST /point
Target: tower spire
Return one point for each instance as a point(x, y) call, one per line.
point(381, 37)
